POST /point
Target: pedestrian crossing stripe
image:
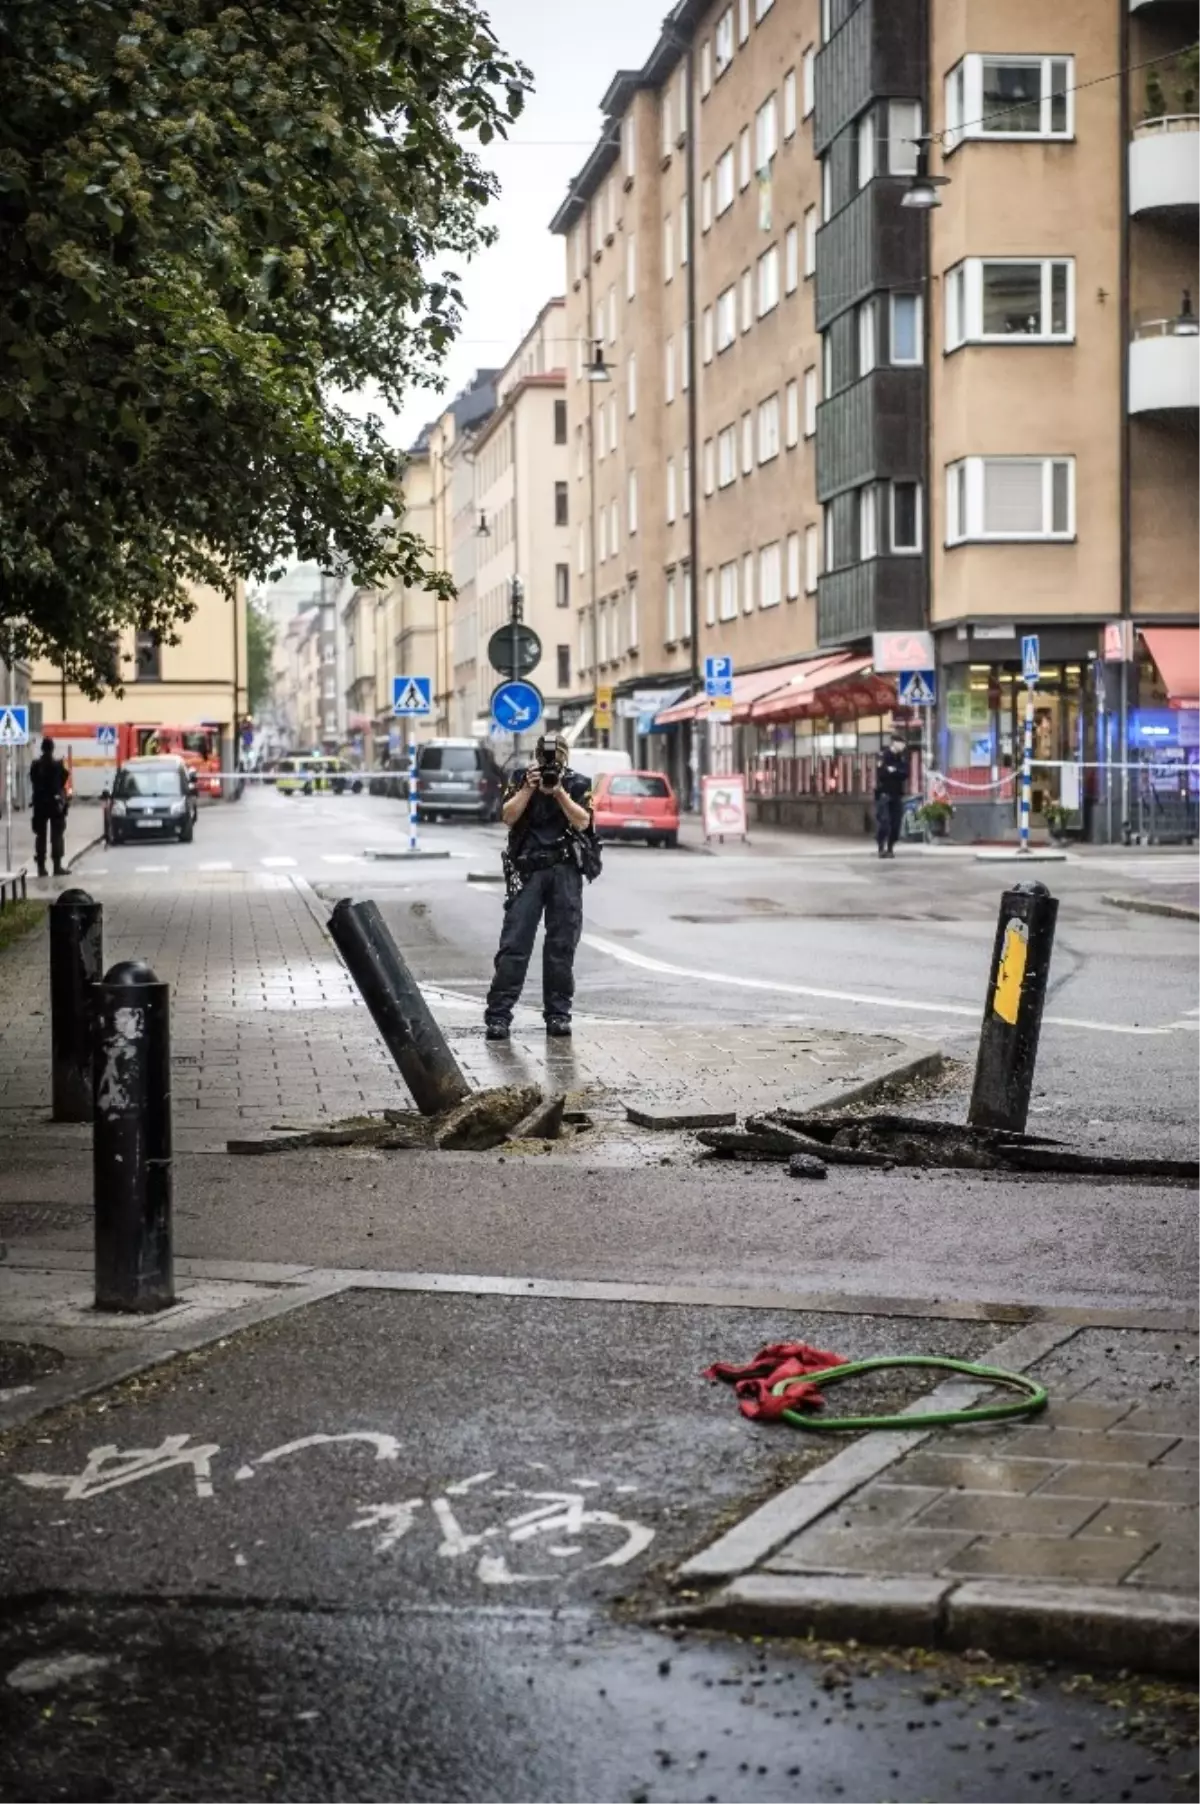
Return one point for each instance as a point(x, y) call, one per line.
point(14, 726)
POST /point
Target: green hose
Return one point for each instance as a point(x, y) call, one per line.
point(1035, 1397)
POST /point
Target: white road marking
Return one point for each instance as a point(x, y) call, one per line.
point(216, 864)
point(727, 978)
point(340, 858)
point(279, 864)
point(150, 870)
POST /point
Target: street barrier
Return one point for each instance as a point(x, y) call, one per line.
point(131, 1141)
point(1012, 1015)
point(76, 963)
point(399, 1010)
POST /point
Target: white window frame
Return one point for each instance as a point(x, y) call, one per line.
point(791, 414)
point(705, 69)
point(745, 165)
point(612, 315)
point(631, 383)
point(727, 317)
point(747, 582)
point(602, 536)
point(791, 259)
point(903, 130)
point(768, 281)
point(747, 444)
point(918, 329)
point(964, 285)
point(896, 549)
point(685, 482)
point(706, 325)
point(826, 189)
point(789, 105)
point(631, 503)
point(612, 423)
point(710, 598)
point(615, 526)
point(768, 428)
point(743, 27)
point(967, 479)
point(634, 625)
point(706, 203)
point(967, 117)
point(684, 107)
point(685, 358)
point(770, 575)
point(868, 522)
point(710, 466)
point(726, 456)
point(667, 141)
point(686, 586)
point(669, 248)
point(728, 601)
point(602, 633)
point(766, 133)
point(669, 371)
point(671, 633)
point(723, 43)
point(671, 493)
point(868, 347)
point(747, 288)
point(811, 399)
point(630, 267)
point(808, 81)
point(810, 241)
point(826, 20)
point(792, 591)
point(683, 236)
point(601, 432)
point(812, 559)
point(865, 146)
point(761, 9)
point(725, 184)
point(628, 148)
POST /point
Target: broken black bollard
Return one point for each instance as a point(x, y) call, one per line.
point(400, 1012)
point(1012, 1016)
point(76, 963)
point(131, 1140)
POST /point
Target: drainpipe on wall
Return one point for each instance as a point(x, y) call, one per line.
point(1123, 326)
point(696, 735)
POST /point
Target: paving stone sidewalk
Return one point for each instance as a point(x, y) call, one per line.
point(267, 1027)
point(1073, 1534)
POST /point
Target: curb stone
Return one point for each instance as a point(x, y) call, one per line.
point(1141, 905)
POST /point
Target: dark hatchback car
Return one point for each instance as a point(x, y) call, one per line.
point(151, 796)
point(457, 777)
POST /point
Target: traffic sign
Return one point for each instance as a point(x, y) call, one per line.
point(916, 688)
point(106, 735)
point(515, 649)
point(412, 695)
point(14, 726)
point(718, 677)
point(603, 718)
point(1030, 659)
point(516, 707)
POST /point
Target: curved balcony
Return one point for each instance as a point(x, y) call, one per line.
point(1164, 368)
point(1164, 169)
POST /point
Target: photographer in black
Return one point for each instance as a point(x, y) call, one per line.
point(551, 848)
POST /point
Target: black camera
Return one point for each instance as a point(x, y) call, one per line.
point(549, 774)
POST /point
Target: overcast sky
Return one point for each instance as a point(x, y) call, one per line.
point(573, 51)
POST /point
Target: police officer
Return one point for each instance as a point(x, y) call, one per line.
point(891, 781)
point(548, 812)
point(49, 790)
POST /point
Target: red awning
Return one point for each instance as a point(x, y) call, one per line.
point(1176, 651)
point(746, 690)
point(836, 686)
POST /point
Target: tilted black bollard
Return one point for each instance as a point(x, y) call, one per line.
point(390, 991)
point(131, 1140)
point(76, 963)
point(1012, 1016)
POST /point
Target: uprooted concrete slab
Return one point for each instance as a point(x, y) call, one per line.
point(484, 1119)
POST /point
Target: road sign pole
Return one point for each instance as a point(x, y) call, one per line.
point(413, 811)
point(8, 789)
point(1026, 773)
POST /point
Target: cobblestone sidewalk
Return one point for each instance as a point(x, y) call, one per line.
point(268, 1027)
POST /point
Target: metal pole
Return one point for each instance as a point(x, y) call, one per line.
point(399, 1010)
point(413, 809)
point(1012, 1016)
point(131, 1141)
point(1026, 773)
point(8, 789)
point(514, 620)
point(76, 963)
point(1123, 745)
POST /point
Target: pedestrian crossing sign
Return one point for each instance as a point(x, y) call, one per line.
point(412, 695)
point(14, 726)
point(916, 688)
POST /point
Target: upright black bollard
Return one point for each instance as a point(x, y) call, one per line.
point(76, 963)
point(390, 991)
point(131, 1141)
point(1012, 1016)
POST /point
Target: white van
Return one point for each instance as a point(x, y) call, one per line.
point(594, 761)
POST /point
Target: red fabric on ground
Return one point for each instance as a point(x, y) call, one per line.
point(754, 1383)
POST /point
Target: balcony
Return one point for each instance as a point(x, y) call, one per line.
point(1164, 170)
point(883, 594)
point(875, 52)
point(871, 429)
point(872, 243)
point(1164, 368)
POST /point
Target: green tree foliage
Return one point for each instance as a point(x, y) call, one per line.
point(260, 644)
point(214, 219)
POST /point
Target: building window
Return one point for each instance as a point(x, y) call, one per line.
point(904, 328)
point(792, 414)
point(768, 280)
point(672, 632)
point(1009, 300)
point(583, 639)
point(706, 202)
point(669, 374)
point(685, 482)
point(614, 527)
point(770, 576)
point(791, 259)
point(747, 299)
point(826, 20)
point(808, 82)
point(726, 456)
point(710, 467)
point(560, 504)
point(563, 660)
point(748, 582)
point(745, 170)
point(602, 536)
point(904, 128)
point(810, 402)
point(562, 586)
point(710, 597)
point(761, 9)
point(612, 316)
point(1010, 97)
point(632, 501)
point(630, 267)
point(684, 106)
point(668, 139)
point(560, 422)
point(628, 147)
point(669, 248)
point(729, 591)
point(766, 133)
point(705, 69)
point(1011, 498)
point(670, 491)
point(634, 624)
point(810, 241)
point(864, 139)
point(631, 383)
point(706, 327)
point(793, 565)
point(768, 429)
point(685, 357)
point(812, 558)
point(747, 443)
point(602, 633)
point(725, 181)
point(683, 236)
point(865, 318)
point(581, 563)
point(148, 658)
point(826, 189)
point(789, 104)
point(723, 42)
point(726, 318)
point(687, 604)
point(906, 517)
point(612, 423)
point(868, 525)
point(743, 20)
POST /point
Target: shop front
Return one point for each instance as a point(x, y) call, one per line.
point(812, 744)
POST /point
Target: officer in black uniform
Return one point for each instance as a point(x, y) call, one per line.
point(49, 793)
point(548, 811)
point(891, 781)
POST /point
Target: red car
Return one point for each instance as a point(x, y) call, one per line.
point(636, 804)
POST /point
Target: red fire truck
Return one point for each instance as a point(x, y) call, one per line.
point(93, 749)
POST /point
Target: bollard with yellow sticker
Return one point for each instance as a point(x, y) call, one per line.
point(1012, 1016)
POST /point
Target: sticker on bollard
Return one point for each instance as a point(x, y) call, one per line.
point(76, 963)
point(131, 1141)
point(1012, 1020)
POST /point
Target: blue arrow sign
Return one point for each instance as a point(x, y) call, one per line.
point(14, 726)
point(916, 688)
point(516, 707)
point(1030, 658)
point(718, 676)
point(412, 695)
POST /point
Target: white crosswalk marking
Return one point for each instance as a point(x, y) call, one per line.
point(279, 864)
point(150, 870)
point(341, 858)
point(216, 864)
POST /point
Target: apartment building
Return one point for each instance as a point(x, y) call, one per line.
point(855, 413)
point(450, 440)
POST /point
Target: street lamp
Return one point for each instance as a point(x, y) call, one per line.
point(597, 369)
point(922, 191)
point(483, 530)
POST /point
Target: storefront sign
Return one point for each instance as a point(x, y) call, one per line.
point(603, 717)
point(966, 708)
point(981, 752)
point(1118, 642)
point(902, 651)
point(723, 805)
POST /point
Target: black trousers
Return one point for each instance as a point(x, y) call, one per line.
point(557, 894)
point(57, 825)
point(889, 812)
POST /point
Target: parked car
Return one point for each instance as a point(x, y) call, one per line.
point(636, 804)
point(458, 776)
point(594, 760)
point(150, 795)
